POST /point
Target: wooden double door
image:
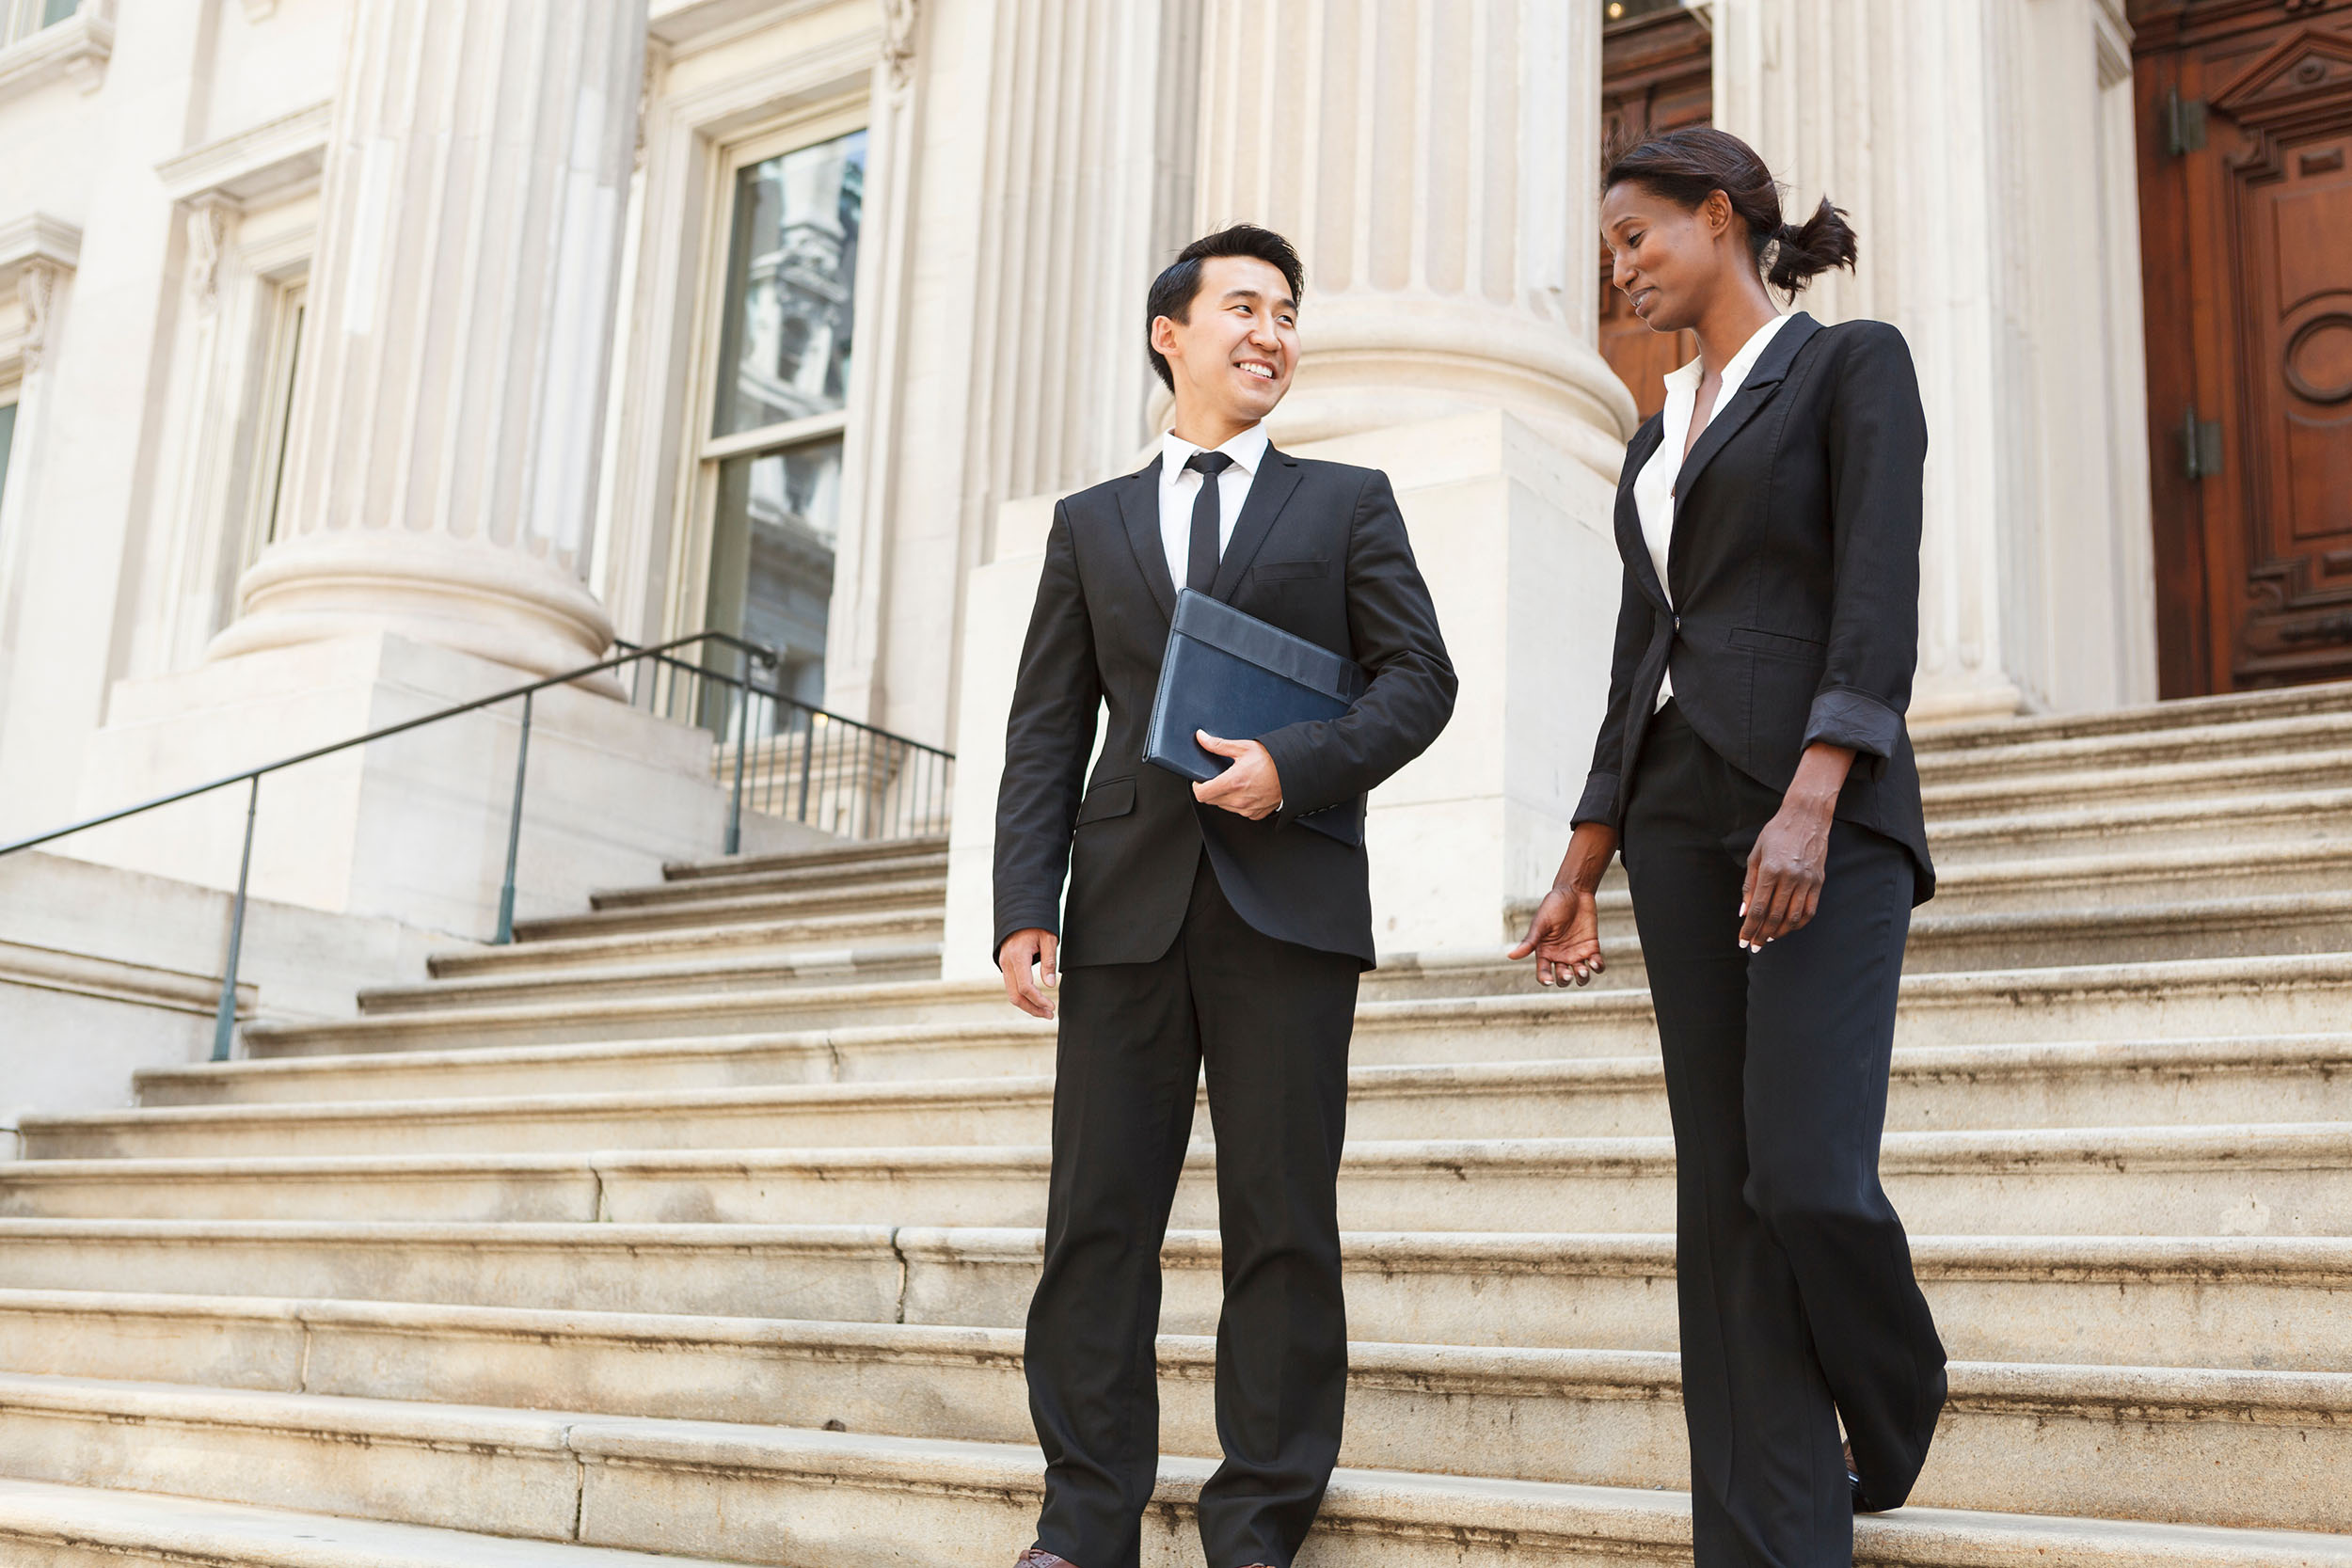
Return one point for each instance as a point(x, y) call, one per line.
point(2244, 114)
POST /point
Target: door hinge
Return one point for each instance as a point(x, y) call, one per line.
point(2183, 125)
point(2200, 445)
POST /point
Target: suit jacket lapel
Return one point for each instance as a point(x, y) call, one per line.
point(1754, 393)
point(1139, 507)
point(1627, 516)
point(1277, 477)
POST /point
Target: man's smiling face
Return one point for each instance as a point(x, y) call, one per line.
point(1233, 355)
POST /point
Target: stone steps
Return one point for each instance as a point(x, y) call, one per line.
point(2267, 1304)
point(2285, 1180)
point(2166, 723)
point(2219, 773)
point(2266, 994)
point(2125, 1441)
point(2148, 828)
point(715, 882)
point(793, 944)
point(47, 1526)
point(779, 1495)
point(703, 913)
point(2158, 1082)
point(2098, 742)
point(522, 981)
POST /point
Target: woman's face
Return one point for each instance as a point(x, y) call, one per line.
point(1666, 258)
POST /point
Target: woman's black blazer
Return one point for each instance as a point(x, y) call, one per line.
point(1795, 570)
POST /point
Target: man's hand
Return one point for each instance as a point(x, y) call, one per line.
point(1791, 860)
point(1021, 950)
point(1250, 787)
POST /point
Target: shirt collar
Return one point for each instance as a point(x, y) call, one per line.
point(1684, 380)
point(1246, 449)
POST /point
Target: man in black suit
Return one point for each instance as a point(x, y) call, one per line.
point(1205, 927)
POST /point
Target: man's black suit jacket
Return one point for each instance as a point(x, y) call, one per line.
point(1795, 570)
point(1319, 551)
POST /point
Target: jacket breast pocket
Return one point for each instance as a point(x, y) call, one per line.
point(1289, 571)
point(1111, 798)
point(1778, 644)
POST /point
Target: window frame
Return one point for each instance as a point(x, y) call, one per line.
point(24, 19)
point(289, 299)
point(704, 452)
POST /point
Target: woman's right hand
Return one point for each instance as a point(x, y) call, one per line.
point(1564, 936)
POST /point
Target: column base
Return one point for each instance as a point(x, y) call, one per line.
point(413, 828)
point(477, 599)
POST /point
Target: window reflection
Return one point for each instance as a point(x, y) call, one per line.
point(772, 557)
point(790, 303)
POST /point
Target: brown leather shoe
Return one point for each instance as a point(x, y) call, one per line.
point(1037, 1557)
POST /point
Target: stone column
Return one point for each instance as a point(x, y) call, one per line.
point(1438, 166)
point(1976, 144)
point(450, 393)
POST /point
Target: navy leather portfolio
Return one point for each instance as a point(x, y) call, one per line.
point(1234, 675)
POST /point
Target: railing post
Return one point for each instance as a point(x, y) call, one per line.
point(742, 739)
point(225, 1016)
point(514, 830)
point(808, 748)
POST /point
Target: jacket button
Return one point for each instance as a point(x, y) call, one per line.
point(1678, 623)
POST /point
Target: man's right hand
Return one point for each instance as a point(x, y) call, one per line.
point(1022, 951)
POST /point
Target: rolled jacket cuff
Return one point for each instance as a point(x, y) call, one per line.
point(1600, 803)
point(1862, 723)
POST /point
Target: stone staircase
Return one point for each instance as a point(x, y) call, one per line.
point(699, 1227)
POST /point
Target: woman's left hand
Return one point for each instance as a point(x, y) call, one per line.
point(1791, 860)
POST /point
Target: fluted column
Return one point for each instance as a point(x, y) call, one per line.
point(1436, 161)
point(448, 402)
point(1970, 141)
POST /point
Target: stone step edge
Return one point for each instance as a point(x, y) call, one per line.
point(850, 852)
point(2227, 772)
point(203, 1533)
point(849, 896)
point(2310, 1261)
point(2029, 1056)
point(2218, 810)
point(1402, 1508)
point(2323, 1053)
point(474, 972)
point(2112, 1391)
point(2171, 976)
point(777, 933)
point(1962, 735)
point(2293, 1146)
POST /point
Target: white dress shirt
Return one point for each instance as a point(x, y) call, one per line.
point(1653, 487)
point(1180, 486)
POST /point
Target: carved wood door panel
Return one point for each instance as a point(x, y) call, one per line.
point(1658, 73)
point(2246, 215)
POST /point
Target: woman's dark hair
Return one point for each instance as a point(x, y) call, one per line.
point(1174, 290)
point(1688, 166)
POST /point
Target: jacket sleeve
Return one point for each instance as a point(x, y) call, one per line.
point(1878, 448)
point(1393, 633)
point(1056, 700)
point(1636, 621)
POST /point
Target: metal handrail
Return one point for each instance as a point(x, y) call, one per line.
point(659, 655)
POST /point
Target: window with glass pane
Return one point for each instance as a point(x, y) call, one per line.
point(8, 435)
point(791, 269)
point(784, 363)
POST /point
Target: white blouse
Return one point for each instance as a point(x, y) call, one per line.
point(1653, 487)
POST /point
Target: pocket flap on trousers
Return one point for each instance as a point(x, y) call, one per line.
point(1111, 798)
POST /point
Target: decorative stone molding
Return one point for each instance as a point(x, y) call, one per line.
point(37, 254)
point(76, 49)
point(899, 21)
point(259, 10)
point(209, 220)
point(275, 157)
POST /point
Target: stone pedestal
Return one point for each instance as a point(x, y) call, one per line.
point(1441, 184)
point(414, 828)
point(1972, 142)
point(1513, 537)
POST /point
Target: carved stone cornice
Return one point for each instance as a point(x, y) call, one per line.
point(37, 254)
point(277, 155)
point(77, 48)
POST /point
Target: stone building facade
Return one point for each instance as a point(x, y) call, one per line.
point(357, 354)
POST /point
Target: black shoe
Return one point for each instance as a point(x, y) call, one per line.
point(1853, 1481)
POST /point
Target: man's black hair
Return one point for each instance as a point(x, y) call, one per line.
point(1173, 291)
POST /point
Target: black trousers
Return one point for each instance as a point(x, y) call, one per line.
point(1271, 1021)
point(1797, 1303)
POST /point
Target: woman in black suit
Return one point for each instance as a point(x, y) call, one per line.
point(1755, 768)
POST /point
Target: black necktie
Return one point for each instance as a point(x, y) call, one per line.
point(1200, 564)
